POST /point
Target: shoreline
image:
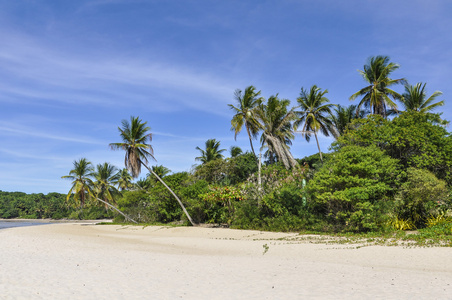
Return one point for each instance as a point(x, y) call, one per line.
point(83, 261)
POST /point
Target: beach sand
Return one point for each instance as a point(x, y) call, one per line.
point(86, 261)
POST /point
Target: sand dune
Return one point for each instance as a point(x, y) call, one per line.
point(85, 261)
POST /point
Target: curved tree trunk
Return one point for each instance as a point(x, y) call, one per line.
point(171, 191)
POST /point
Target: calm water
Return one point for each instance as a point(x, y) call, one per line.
point(13, 223)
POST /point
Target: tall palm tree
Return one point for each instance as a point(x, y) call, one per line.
point(124, 179)
point(415, 98)
point(135, 137)
point(81, 181)
point(376, 95)
point(212, 151)
point(247, 103)
point(277, 134)
point(315, 114)
point(106, 176)
point(343, 116)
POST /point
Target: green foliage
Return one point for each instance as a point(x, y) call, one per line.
point(421, 196)
point(438, 220)
point(352, 189)
point(213, 171)
point(33, 206)
point(228, 171)
point(157, 205)
point(278, 204)
point(413, 138)
point(212, 151)
point(221, 201)
point(401, 224)
point(241, 167)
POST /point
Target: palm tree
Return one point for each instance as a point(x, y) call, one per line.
point(376, 95)
point(124, 179)
point(161, 170)
point(245, 110)
point(343, 117)
point(81, 182)
point(315, 114)
point(143, 183)
point(235, 151)
point(211, 153)
point(106, 176)
point(135, 136)
point(415, 98)
point(277, 134)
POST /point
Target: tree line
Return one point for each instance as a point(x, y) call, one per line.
point(390, 166)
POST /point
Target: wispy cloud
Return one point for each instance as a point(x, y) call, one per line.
point(39, 134)
point(73, 78)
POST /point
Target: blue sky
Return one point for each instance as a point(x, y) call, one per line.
point(72, 70)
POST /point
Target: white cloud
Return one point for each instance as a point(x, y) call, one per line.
point(71, 77)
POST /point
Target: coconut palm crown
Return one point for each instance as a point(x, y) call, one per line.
point(377, 95)
point(106, 176)
point(245, 113)
point(415, 98)
point(135, 138)
point(343, 116)
point(212, 151)
point(275, 122)
point(81, 182)
point(314, 114)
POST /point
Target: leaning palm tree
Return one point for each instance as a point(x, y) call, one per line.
point(106, 177)
point(135, 137)
point(212, 151)
point(245, 113)
point(81, 181)
point(376, 96)
point(415, 98)
point(343, 116)
point(315, 114)
point(277, 134)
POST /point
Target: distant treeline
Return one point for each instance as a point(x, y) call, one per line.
point(40, 206)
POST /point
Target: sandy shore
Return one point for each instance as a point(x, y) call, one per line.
point(85, 261)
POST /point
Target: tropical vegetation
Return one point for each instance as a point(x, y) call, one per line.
point(389, 168)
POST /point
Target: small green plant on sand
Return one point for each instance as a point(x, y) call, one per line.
point(401, 224)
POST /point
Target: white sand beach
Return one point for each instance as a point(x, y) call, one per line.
point(85, 261)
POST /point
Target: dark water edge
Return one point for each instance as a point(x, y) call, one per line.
point(21, 223)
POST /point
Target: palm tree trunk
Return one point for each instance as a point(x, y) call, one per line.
point(109, 205)
point(249, 135)
point(318, 146)
point(171, 191)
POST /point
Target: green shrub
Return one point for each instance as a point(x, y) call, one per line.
point(421, 196)
point(353, 188)
point(414, 138)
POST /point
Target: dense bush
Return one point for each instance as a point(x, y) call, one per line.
point(353, 189)
point(278, 204)
point(227, 171)
point(414, 138)
point(421, 196)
